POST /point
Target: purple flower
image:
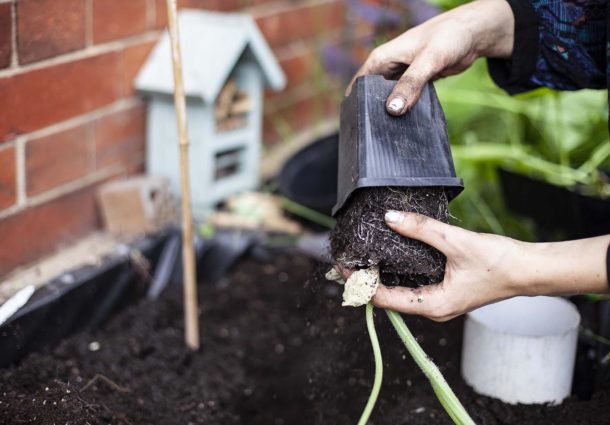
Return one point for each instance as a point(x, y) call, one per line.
point(338, 61)
point(374, 14)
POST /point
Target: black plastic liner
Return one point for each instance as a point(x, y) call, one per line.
point(59, 309)
point(93, 293)
point(378, 149)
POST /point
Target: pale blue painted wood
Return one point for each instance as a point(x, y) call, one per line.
point(215, 47)
point(211, 43)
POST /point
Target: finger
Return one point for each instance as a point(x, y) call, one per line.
point(408, 89)
point(437, 234)
point(432, 301)
point(380, 62)
point(362, 71)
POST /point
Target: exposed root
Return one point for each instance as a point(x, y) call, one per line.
point(110, 382)
point(362, 239)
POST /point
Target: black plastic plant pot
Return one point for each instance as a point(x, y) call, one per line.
point(310, 176)
point(555, 208)
point(378, 149)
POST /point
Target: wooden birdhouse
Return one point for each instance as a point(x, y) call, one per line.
point(226, 65)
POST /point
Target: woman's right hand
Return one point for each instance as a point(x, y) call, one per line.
point(445, 45)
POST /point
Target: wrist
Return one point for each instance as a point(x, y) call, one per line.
point(527, 275)
point(562, 268)
point(494, 35)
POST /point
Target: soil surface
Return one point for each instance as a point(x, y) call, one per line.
point(277, 349)
point(361, 238)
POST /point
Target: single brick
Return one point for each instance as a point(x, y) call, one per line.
point(38, 98)
point(301, 22)
point(299, 68)
point(6, 28)
point(58, 158)
point(38, 230)
point(299, 115)
point(8, 184)
point(114, 19)
point(218, 5)
point(120, 137)
point(133, 59)
point(47, 28)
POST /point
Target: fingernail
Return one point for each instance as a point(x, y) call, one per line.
point(392, 216)
point(396, 104)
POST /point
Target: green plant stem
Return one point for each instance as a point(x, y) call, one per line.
point(441, 388)
point(590, 334)
point(518, 158)
point(486, 213)
point(597, 297)
point(370, 404)
point(312, 215)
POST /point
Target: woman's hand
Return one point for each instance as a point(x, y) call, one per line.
point(445, 45)
point(483, 268)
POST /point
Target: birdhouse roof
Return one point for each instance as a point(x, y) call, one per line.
point(212, 44)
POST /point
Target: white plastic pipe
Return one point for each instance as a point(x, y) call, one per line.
point(521, 350)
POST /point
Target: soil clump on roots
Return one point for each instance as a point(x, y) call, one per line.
point(361, 238)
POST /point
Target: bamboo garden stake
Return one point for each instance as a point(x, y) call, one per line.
point(188, 254)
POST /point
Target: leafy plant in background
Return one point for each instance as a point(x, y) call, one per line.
point(557, 137)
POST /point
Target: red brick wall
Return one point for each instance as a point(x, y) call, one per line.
point(69, 117)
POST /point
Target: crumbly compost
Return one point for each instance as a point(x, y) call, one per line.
point(276, 350)
point(361, 238)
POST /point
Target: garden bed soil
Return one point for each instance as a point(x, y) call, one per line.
point(277, 348)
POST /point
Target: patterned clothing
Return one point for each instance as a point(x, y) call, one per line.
point(561, 44)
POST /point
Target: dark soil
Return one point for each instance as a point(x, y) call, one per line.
point(361, 238)
point(277, 349)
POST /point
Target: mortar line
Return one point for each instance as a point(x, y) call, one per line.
point(91, 51)
point(14, 53)
point(73, 186)
point(117, 106)
point(301, 92)
point(20, 171)
point(13, 209)
point(62, 190)
point(88, 23)
point(92, 144)
point(151, 14)
point(267, 9)
point(7, 144)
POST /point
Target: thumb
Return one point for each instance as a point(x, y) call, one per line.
point(437, 234)
point(407, 90)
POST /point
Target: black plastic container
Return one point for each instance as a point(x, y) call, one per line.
point(555, 208)
point(310, 176)
point(378, 149)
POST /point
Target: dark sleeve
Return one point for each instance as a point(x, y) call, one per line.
point(514, 75)
point(558, 44)
point(608, 265)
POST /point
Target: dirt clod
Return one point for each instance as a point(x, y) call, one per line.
point(362, 239)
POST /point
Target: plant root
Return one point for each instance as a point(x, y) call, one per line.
point(361, 239)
